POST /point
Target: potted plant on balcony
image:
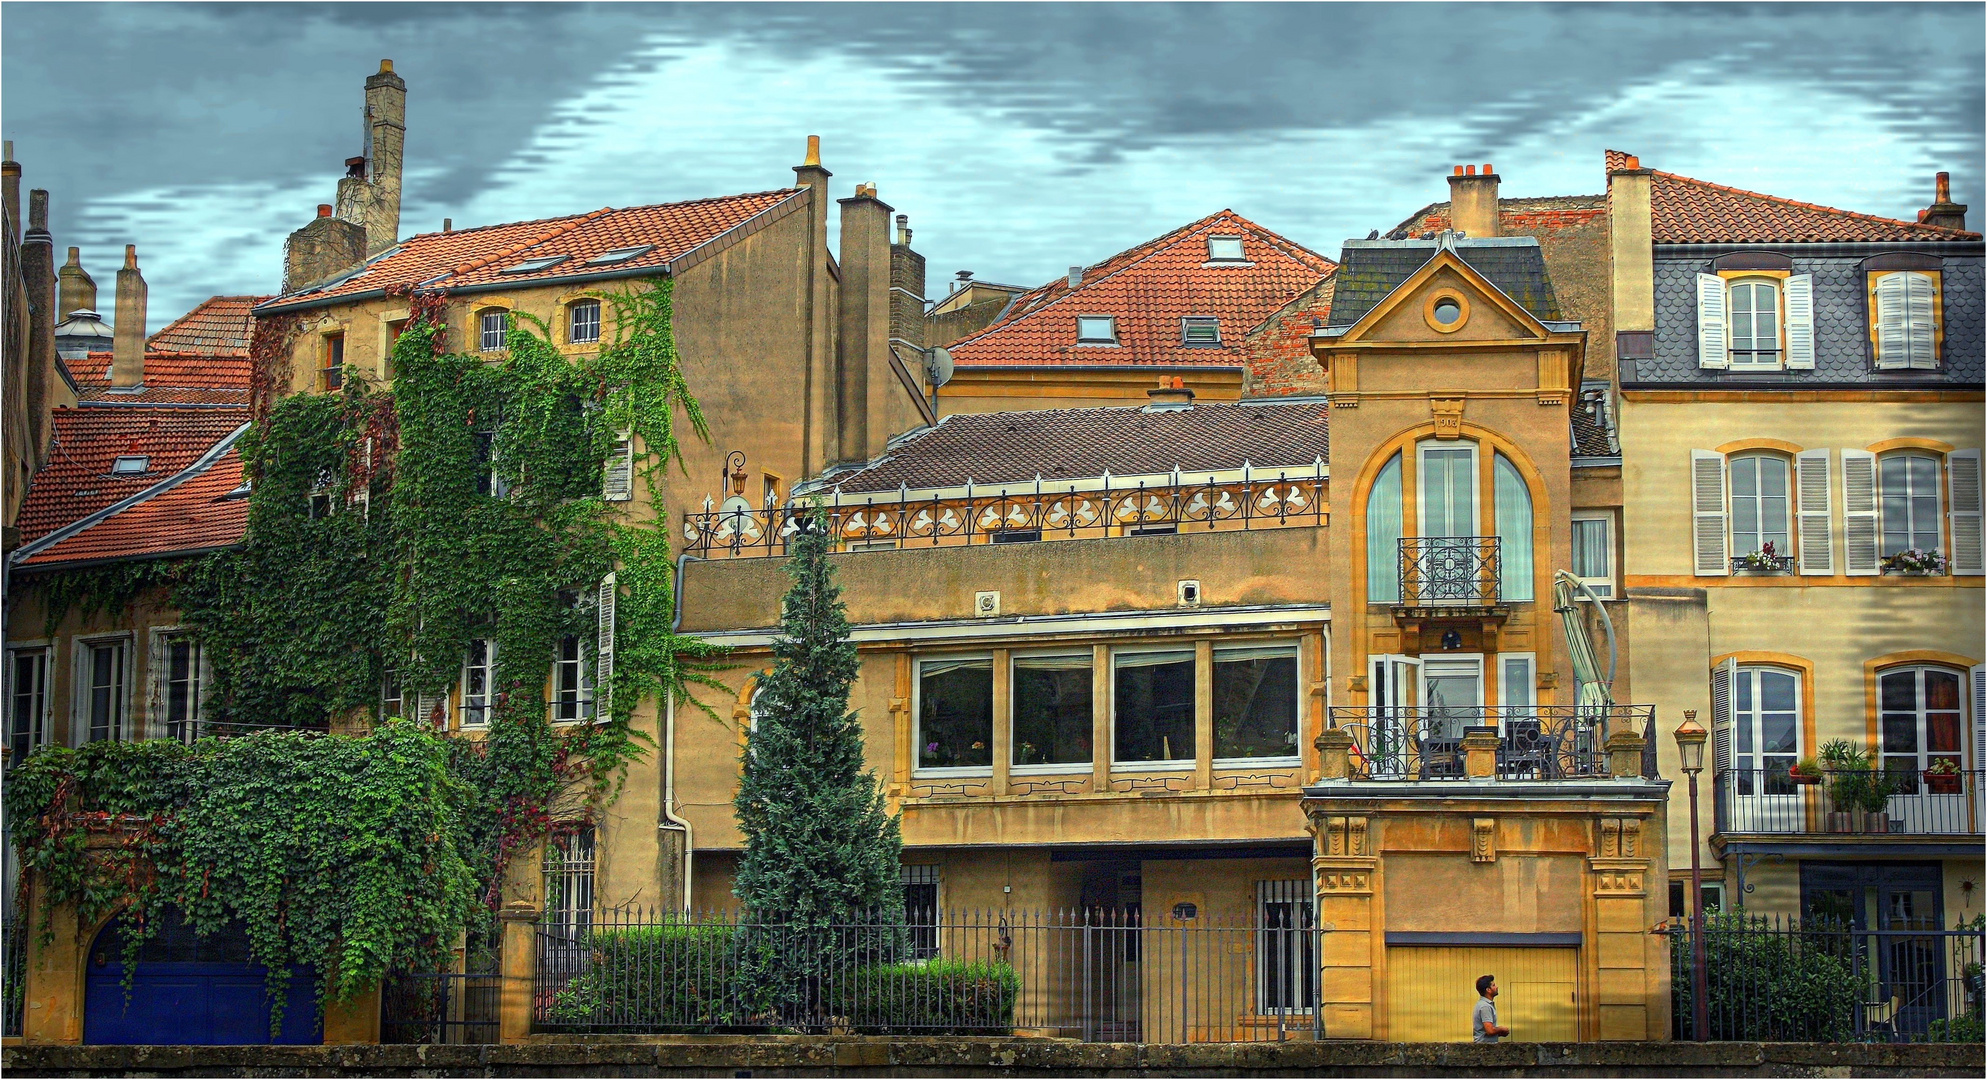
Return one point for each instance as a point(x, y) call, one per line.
point(1915, 561)
point(1942, 778)
point(1766, 560)
point(1848, 771)
point(1878, 786)
point(1805, 771)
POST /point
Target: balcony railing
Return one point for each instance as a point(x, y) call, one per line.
point(1771, 801)
point(1459, 571)
point(1536, 742)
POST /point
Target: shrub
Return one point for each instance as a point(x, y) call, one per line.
point(676, 975)
point(929, 997)
point(1767, 984)
point(1959, 1029)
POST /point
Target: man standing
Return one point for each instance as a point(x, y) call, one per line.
point(1483, 1022)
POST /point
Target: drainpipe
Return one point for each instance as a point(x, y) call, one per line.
point(670, 820)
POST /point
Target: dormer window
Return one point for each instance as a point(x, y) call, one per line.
point(1199, 331)
point(1904, 320)
point(1096, 330)
point(1225, 249)
point(1755, 315)
point(532, 266)
point(495, 324)
point(131, 465)
point(1752, 319)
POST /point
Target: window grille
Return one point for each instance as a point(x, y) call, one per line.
point(1286, 950)
point(182, 689)
point(495, 325)
point(477, 670)
point(921, 909)
point(569, 878)
point(583, 322)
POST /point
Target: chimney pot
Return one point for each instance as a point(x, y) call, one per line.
point(1942, 186)
point(38, 210)
point(1488, 169)
point(1469, 170)
point(1459, 170)
point(127, 355)
point(131, 256)
point(324, 209)
point(8, 152)
point(1944, 212)
point(385, 67)
point(448, 224)
point(813, 150)
point(1634, 162)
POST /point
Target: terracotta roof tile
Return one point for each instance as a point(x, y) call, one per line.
point(991, 449)
point(94, 396)
point(1149, 288)
point(77, 481)
point(1687, 211)
point(166, 369)
point(219, 326)
point(193, 515)
point(478, 256)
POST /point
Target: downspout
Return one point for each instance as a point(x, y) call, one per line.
point(670, 820)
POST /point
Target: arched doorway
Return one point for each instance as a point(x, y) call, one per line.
point(190, 990)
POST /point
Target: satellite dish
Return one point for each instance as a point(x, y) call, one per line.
point(735, 505)
point(938, 366)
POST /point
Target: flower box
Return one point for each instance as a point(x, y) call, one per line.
point(1913, 562)
point(1942, 783)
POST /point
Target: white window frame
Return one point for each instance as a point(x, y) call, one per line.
point(43, 721)
point(583, 706)
point(1603, 586)
point(465, 709)
point(1529, 661)
point(1887, 298)
point(483, 331)
point(578, 875)
point(1733, 549)
point(1282, 761)
point(1922, 753)
point(1421, 451)
point(1109, 320)
point(1749, 722)
point(1055, 767)
point(917, 716)
point(573, 322)
point(1775, 286)
point(122, 723)
point(391, 678)
point(1188, 322)
point(1938, 500)
point(159, 654)
point(1186, 764)
point(1241, 249)
point(1453, 659)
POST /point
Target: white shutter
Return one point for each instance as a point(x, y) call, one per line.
point(1893, 339)
point(1963, 501)
point(426, 706)
point(1978, 680)
point(1920, 329)
point(1711, 342)
point(1707, 498)
point(1859, 513)
point(617, 482)
point(1722, 677)
point(1817, 547)
point(603, 674)
point(1801, 322)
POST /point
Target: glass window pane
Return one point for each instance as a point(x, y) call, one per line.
point(1900, 732)
point(1153, 706)
point(1383, 533)
point(1745, 476)
point(1941, 690)
point(1517, 689)
point(1899, 690)
point(1772, 476)
point(955, 713)
point(1776, 691)
point(1255, 703)
point(1778, 733)
point(1052, 720)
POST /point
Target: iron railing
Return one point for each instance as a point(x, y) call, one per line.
point(1761, 563)
point(1460, 571)
point(1534, 742)
point(14, 972)
point(1774, 801)
point(1099, 975)
point(440, 1008)
point(1774, 979)
point(1018, 513)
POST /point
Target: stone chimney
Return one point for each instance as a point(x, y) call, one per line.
point(1943, 212)
point(1473, 201)
point(863, 343)
point(907, 289)
point(1171, 395)
point(820, 445)
point(320, 250)
point(78, 288)
point(127, 354)
point(10, 187)
point(369, 194)
point(38, 279)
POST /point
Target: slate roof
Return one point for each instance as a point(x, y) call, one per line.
point(219, 326)
point(991, 449)
point(466, 258)
point(1371, 270)
point(194, 514)
point(1687, 211)
point(1148, 289)
point(77, 481)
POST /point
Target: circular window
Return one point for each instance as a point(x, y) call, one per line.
point(1447, 311)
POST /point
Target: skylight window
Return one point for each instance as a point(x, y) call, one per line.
point(1200, 330)
point(131, 465)
point(1225, 249)
point(532, 266)
point(620, 255)
point(1096, 330)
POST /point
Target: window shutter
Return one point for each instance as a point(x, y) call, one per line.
point(1801, 322)
point(432, 709)
point(603, 677)
point(1893, 343)
point(1707, 496)
point(1711, 342)
point(1963, 480)
point(1817, 547)
point(1919, 330)
point(1978, 681)
point(618, 478)
point(1859, 513)
point(1722, 678)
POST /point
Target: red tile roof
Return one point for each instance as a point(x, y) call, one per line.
point(478, 256)
point(1687, 211)
point(1149, 288)
point(192, 515)
point(225, 397)
point(77, 480)
point(220, 326)
point(166, 369)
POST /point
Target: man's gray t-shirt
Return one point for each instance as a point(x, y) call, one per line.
point(1486, 1011)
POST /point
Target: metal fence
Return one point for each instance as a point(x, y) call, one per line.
point(1460, 571)
point(1097, 975)
point(1534, 742)
point(1777, 979)
point(14, 964)
point(1776, 801)
point(439, 1008)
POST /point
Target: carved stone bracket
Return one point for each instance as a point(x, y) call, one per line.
point(1619, 838)
point(1483, 840)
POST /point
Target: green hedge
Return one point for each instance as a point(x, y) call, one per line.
point(929, 997)
point(677, 976)
point(1769, 985)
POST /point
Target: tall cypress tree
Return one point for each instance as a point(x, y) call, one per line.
point(820, 848)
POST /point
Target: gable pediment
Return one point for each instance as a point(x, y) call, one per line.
point(1446, 301)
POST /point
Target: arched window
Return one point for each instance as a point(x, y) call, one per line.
point(1514, 532)
point(1754, 318)
point(1766, 736)
point(1921, 722)
point(1760, 504)
point(1384, 528)
point(1908, 503)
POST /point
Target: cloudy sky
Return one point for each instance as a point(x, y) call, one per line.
point(1021, 139)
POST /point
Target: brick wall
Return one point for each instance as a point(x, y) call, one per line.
point(1279, 350)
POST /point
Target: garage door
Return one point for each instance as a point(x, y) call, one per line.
point(1431, 991)
point(190, 990)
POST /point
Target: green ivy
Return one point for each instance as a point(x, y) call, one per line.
point(104, 589)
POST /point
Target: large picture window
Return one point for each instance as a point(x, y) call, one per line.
point(955, 714)
point(1052, 710)
point(1255, 702)
point(1153, 706)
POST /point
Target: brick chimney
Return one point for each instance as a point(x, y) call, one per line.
point(38, 279)
point(127, 353)
point(10, 187)
point(1473, 201)
point(320, 250)
point(864, 339)
point(78, 288)
point(1943, 212)
point(907, 289)
point(369, 194)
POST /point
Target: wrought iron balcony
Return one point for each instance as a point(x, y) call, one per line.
point(1534, 742)
point(1453, 571)
point(1778, 803)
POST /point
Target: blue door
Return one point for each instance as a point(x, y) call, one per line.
point(190, 991)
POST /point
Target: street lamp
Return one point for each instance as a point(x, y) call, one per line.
point(1690, 737)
